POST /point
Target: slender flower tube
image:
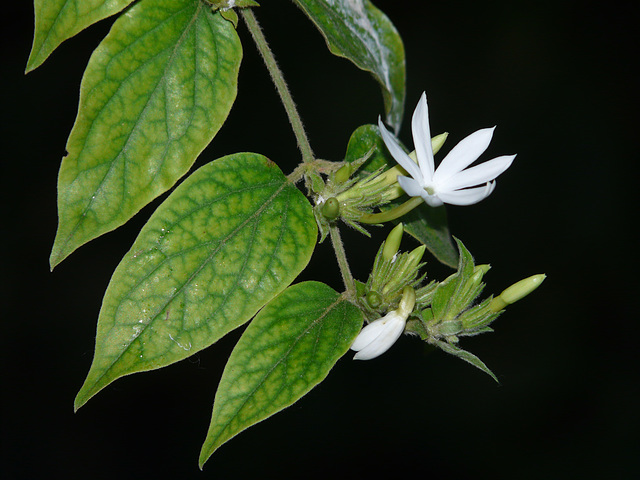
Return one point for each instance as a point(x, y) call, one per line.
point(377, 337)
point(450, 182)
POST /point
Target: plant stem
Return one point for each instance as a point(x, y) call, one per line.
point(392, 214)
point(281, 85)
point(341, 256)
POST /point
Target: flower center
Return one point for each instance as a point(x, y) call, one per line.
point(430, 190)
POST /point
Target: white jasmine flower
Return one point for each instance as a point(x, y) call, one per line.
point(377, 337)
point(450, 182)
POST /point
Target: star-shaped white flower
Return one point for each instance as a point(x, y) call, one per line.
point(450, 182)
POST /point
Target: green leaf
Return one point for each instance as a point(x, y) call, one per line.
point(429, 226)
point(154, 94)
point(58, 20)
point(466, 356)
point(289, 348)
point(426, 224)
point(365, 139)
point(359, 32)
point(225, 242)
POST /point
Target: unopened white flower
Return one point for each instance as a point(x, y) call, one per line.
point(450, 182)
point(377, 337)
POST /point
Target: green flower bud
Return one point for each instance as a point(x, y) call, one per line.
point(374, 299)
point(482, 268)
point(415, 256)
point(516, 291)
point(392, 243)
point(478, 272)
point(436, 144)
point(331, 208)
point(407, 302)
point(438, 141)
point(343, 173)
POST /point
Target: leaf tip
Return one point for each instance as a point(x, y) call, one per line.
point(59, 252)
point(79, 402)
point(205, 454)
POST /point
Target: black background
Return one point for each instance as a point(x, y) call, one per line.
point(557, 79)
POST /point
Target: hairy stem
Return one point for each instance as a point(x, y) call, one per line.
point(281, 85)
point(341, 256)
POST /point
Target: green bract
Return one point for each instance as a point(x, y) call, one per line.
point(224, 243)
point(288, 349)
point(358, 31)
point(154, 94)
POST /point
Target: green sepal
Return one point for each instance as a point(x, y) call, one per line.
point(452, 296)
point(416, 327)
point(466, 356)
point(230, 16)
point(289, 348)
point(478, 316)
point(230, 238)
point(316, 182)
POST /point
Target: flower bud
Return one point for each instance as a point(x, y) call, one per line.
point(392, 243)
point(377, 337)
point(438, 141)
point(516, 291)
point(436, 144)
point(331, 208)
point(374, 299)
point(343, 173)
point(415, 256)
point(407, 302)
point(478, 272)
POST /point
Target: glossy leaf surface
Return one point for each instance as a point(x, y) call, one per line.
point(359, 32)
point(225, 242)
point(59, 20)
point(154, 94)
point(289, 348)
point(426, 224)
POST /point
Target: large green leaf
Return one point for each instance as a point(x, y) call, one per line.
point(58, 20)
point(289, 348)
point(154, 94)
point(358, 31)
point(225, 242)
point(426, 224)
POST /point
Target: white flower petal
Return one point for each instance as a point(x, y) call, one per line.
point(463, 154)
point(422, 138)
point(483, 173)
point(399, 154)
point(410, 186)
point(431, 200)
point(368, 334)
point(377, 337)
point(468, 196)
